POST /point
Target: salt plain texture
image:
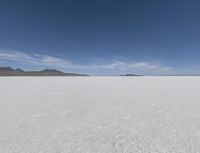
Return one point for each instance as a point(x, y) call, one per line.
point(99, 114)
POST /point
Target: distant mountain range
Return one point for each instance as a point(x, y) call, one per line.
point(130, 75)
point(8, 71)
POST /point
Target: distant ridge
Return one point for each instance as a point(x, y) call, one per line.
point(130, 75)
point(8, 71)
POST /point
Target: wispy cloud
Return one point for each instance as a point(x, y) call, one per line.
point(44, 60)
point(129, 66)
point(50, 61)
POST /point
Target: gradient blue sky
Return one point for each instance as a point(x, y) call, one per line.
point(152, 37)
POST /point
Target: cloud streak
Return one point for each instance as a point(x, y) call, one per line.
point(50, 61)
point(44, 60)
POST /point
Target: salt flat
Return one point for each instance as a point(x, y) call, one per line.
point(99, 114)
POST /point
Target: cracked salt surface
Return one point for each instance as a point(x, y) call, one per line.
point(99, 114)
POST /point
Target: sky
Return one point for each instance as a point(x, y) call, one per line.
point(102, 37)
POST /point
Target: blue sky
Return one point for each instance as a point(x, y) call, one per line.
point(154, 37)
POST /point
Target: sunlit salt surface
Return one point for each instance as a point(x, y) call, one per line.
point(99, 114)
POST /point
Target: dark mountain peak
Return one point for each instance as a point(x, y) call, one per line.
point(51, 70)
point(6, 69)
point(20, 70)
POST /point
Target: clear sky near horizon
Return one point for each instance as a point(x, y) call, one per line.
point(156, 37)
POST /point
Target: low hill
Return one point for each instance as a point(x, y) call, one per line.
point(8, 71)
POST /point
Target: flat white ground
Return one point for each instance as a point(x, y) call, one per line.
point(99, 114)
